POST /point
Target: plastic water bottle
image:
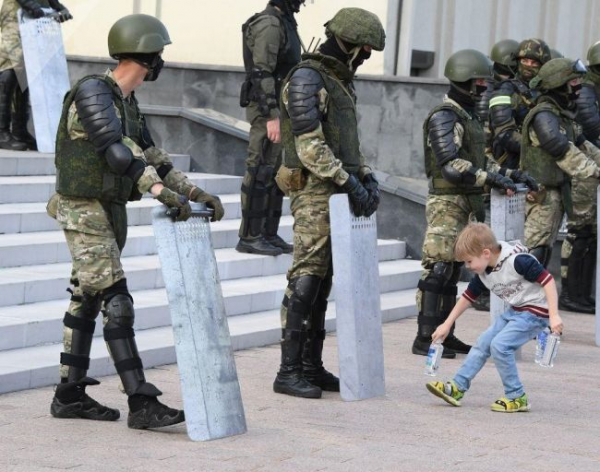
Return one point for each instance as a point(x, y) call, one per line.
point(542, 338)
point(551, 350)
point(434, 355)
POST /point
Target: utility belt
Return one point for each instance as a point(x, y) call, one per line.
point(250, 90)
point(294, 179)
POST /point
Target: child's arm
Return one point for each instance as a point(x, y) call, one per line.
point(442, 330)
point(556, 324)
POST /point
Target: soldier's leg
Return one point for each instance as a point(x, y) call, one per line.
point(275, 201)
point(448, 303)
point(70, 399)
point(574, 252)
point(312, 359)
point(20, 118)
point(255, 191)
point(8, 82)
point(543, 218)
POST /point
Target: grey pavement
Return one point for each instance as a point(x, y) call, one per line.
point(407, 430)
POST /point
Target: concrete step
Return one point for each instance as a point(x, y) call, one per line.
point(32, 217)
point(50, 247)
point(39, 188)
point(36, 163)
point(32, 284)
point(39, 323)
point(38, 366)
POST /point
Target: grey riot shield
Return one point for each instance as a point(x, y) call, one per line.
point(508, 224)
point(211, 393)
point(47, 75)
point(597, 276)
point(357, 303)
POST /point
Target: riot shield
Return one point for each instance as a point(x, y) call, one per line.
point(209, 384)
point(47, 75)
point(357, 302)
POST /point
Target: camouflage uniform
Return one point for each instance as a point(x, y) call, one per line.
point(511, 102)
point(271, 49)
point(322, 157)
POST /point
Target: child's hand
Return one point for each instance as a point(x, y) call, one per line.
point(440, 333)
point(556, 324)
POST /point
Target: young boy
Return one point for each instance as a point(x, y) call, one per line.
point(520, 280)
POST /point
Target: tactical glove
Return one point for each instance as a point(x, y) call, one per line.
point(370, 183)
point(174, 200)
point(63, 15)
point(499, 181)
point(359, 197)
point(212, 201)
point(524, 178)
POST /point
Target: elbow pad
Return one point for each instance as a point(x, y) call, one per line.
point(588, 114)
point(455, 177)
point(96, 110)
point(303, 100)
point(510, 140)
point(441, 136)
point(119, 157)
point(547, 128)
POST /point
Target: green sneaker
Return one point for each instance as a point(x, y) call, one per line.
point(505, 405)
point(446, 391)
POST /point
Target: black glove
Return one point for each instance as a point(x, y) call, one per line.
point(174, 200)
point(524, 178)
point(35, 12)
point(579, 140)
point(370, 183)
point(63, 15)
point(212, 201)
point(359, 197)
point(499, 181)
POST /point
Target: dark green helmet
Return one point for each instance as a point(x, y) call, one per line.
point(137, 34)
point(534, 48)
point(593, 55)
point(468, 64)
point(557, 72)
point(505, 52)
point(357, 26)
point(556, 54)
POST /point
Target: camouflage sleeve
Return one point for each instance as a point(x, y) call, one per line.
point(591, 151)
point(461, 165)
point(173, 178)
point(317, 157)
point(264, 38)
point(492, 165)
point(364, 168)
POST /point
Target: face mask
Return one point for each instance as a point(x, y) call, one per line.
point(574, 92)
point(480, 90)
point(361, 57)
point(154, 70)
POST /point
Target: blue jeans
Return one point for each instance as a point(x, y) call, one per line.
point(508, 333)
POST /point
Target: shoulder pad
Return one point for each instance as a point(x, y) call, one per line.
point(547, 128)
point(303, 100)
point(441, 135)
point(94, 101)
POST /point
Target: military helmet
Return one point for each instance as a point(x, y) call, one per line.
point(357, 26)
point(593, 55)
point(505, 52)
point(468, 64)
point(557, 72)
point(556, 54)
point(137, 34)
point(534, 48)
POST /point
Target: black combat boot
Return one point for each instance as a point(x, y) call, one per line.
point(483, 301)
point(295, 310)
point(273, 216)
point(588, 289)
point(573, 286)
point(146, 412)
point(8, 82)
point(71, 401)
point(428, 320)
point(312, 357)
point(448, 303)
point(20, 118)
point(254, 212)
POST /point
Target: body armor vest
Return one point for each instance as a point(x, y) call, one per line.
point(472, 150)
point(340, 124)
point(289, 54)
point(525, 103)
point(540, 164)
point(80, 171)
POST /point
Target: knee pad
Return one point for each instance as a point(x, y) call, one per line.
point(118, 306)
point(304, 292)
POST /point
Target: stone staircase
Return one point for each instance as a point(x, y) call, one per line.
point(35, 267)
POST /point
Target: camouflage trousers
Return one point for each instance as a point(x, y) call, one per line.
point(446, 216)
point(543, 218)
point(312, 232)
point(11, 50)
point(94, 252)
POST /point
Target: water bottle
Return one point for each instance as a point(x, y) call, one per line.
point(540, 345)
point(552, 343)
point(434, 355)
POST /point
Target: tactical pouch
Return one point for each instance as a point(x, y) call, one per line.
point(290, 180)
point(537, 197)
point(245, 93)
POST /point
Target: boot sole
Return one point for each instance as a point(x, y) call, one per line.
point(294, 393)
point(523, 409)
point(134, 422)
point(254, 251)
point(74, 412)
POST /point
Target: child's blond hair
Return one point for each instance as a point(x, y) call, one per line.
point(473, 239)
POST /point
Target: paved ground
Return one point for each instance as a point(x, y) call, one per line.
point(407, 430)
